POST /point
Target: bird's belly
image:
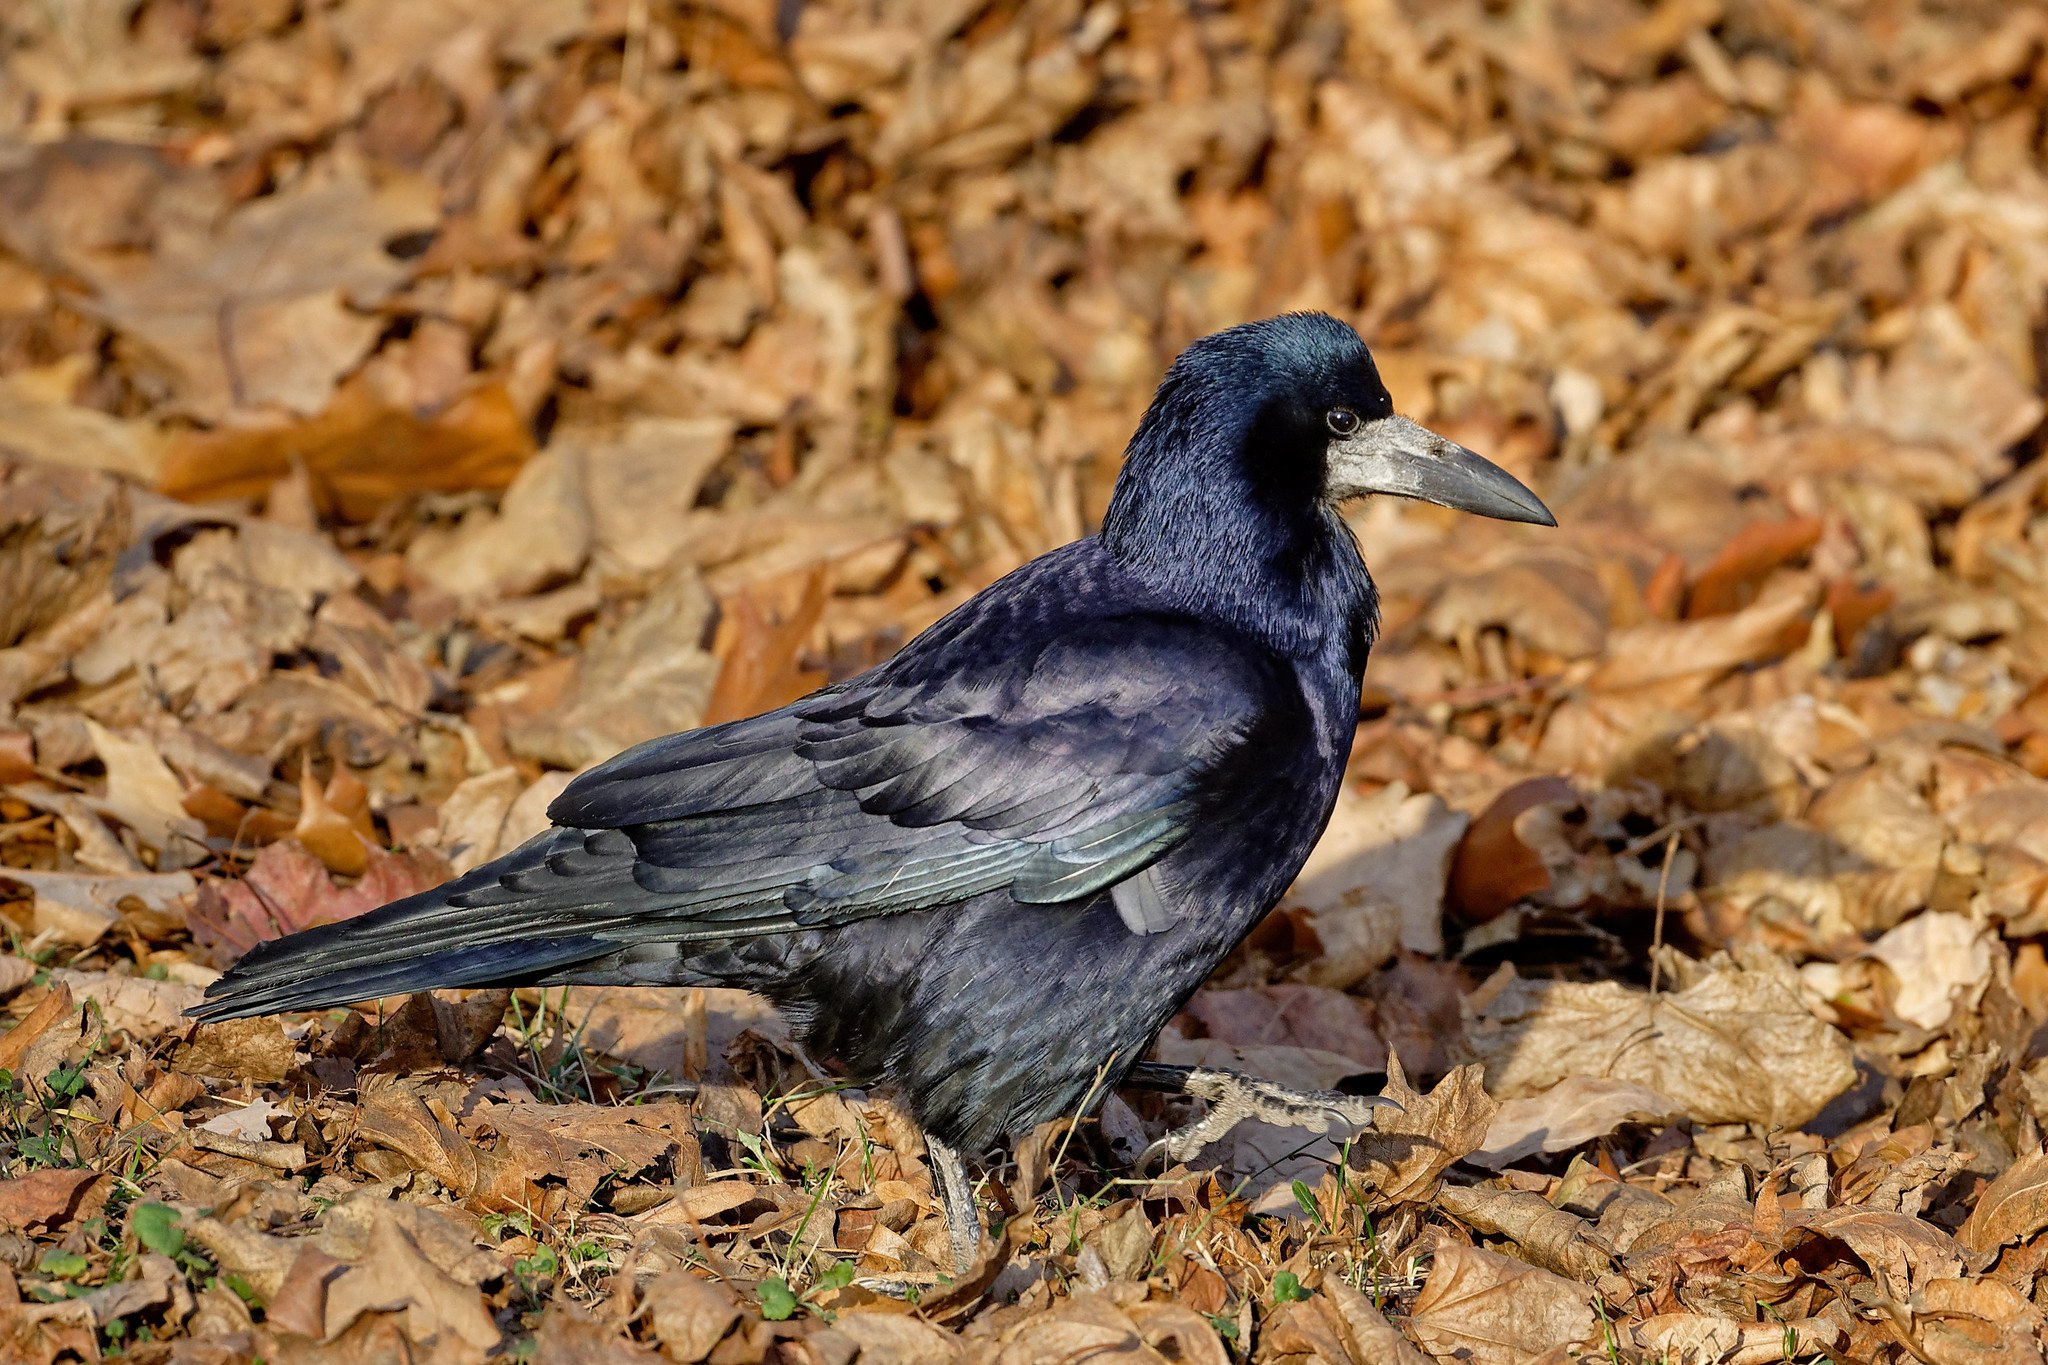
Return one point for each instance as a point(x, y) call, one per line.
point(995, 1016)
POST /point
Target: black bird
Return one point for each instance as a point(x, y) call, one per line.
point(991, 868)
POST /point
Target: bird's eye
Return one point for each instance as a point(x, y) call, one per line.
point(1343, 421)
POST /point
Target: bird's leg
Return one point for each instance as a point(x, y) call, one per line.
point(1234, 1097)
point(956, 1197)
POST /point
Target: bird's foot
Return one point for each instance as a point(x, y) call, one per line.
point(956, 1197)
point(1234, 1097)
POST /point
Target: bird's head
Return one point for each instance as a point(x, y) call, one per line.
point(1231, 481)
point(1325, 424)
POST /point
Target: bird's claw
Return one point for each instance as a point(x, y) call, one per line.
point(1234, 1097)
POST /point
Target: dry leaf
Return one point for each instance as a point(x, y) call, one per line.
point(1935, 958)
point(1734, 1046)
point(1491, 1310)
point(394, 1276)
point(362, 451)
point(50, 1199)
point(81, 907)
point(287, 889)
point(1408, 1149)
point(2011, 1209)
point(135, 1005)
point(1574, 1111)
point(1375, 882)
point(689, 1315)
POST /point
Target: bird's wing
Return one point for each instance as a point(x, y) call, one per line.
point(1054, 772)
point(1051, 770)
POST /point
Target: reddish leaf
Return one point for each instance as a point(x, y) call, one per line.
point(47, 1200)
point(287, 889)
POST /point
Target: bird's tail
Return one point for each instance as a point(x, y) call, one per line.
point(511, 922)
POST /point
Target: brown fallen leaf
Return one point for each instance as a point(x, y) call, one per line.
point(1657, 651)
point(45, 1201)
point(2012, 1208)
point(1091, 1326)
point(394, 1275)
point(1730, 581)
point(1574, 1111)
point(759, 665)
point(1734, 1046)
point(40, 1040)
point(1489, 1309)
point(1550, 1237)
point(1407, 1150)
point(80, 907)
point(300, 1303)
point(1493, 868)
point(43, 423)
point(239, 1049)
point(573, 1337)
point(142, 793)
point(334, 821)
point(1703, 1336)
point(538, 537)
point(1937, 960)
point(1291, 1014)
point(892, 1337)
point(1908, 1250)
point(288, 889)
point(135, 1005)
point(362, 451)
point(689, 1315)
point(1336, 1325)
point(1374, 884)
point(648, 675)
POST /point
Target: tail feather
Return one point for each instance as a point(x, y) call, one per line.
point(428, 941)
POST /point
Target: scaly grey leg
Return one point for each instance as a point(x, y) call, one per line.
point(956, 1196)
point(1234, 1097)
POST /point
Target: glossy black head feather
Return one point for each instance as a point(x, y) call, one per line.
point(1222, 495)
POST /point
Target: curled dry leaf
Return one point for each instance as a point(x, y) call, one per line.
point(1549, 1237)
point(1492, 1310)
point(1407, 1150)
point(1574, 1111)
point(1702, 1336)
point(2011, 1209)
point(1735, 1046)
point(1494, 868)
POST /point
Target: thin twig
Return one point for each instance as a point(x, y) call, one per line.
point(1657, 932)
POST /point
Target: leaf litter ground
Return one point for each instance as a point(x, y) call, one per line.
point(406, 403)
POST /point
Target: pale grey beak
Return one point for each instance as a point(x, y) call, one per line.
point(1403, 458)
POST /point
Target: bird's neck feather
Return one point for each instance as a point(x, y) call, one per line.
point(1289, 577)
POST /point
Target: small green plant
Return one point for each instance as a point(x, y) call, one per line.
point(778, 1300)
point(1223, 1327)
point(156, 1227)
point(63, 1265)
point(1306, 1198)
point(1287, 1288)
point(1609, 1342)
